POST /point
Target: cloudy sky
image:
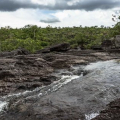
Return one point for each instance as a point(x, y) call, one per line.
point(63, 13)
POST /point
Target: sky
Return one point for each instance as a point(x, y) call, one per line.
point(57, 13)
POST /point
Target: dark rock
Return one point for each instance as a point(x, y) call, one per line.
point(60, 64)
point(20, 51)
point(46, 50)
point(29, 86)
point(48, 78)
point(112, 112)
point(60, 47)
point(50, 57)
point(22, 72)
point(108, 44)
point(5, 74)
point(97, 47)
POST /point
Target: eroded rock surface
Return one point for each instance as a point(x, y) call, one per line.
point(112, 112)
point(71, 102)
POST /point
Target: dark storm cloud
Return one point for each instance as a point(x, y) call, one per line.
point(88, 5)
point(50, 20)
point(12, 5)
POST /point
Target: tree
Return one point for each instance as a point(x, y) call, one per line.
point(116, 19)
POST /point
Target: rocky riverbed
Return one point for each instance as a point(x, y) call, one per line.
point(21, 71)
point(55, 85)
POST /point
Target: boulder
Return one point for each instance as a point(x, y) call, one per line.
point(60, 47)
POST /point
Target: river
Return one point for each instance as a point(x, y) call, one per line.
point(90, 93)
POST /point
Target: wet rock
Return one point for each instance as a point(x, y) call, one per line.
point(112, 112)
point(20, 70)
point(29, 86)
point(69, 102)
point(48, 78)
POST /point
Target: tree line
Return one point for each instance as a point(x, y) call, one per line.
point(34, 38)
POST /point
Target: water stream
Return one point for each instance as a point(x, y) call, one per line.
point(44, 90)
point(106, 73)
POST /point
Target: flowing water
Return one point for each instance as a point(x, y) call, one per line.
point(102, 81)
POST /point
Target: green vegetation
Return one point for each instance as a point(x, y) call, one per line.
point(34, 38)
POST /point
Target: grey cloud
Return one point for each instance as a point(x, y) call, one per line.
point(12, 5)
point(50, 20)
point(88, 5)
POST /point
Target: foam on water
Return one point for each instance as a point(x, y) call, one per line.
point(2, 105)
point(101, 65)
point(91, 116)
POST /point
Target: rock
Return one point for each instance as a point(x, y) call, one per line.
point(29, 86)
point(5, 74)
point(19, 51)
point(46, 80)
point(46, 50)
point(35, 70)
point(107, 44)
point(50, 57)
point(60, 47)
point(60, 64)
point(97, 47)
point(21, 71)
point(112, 112)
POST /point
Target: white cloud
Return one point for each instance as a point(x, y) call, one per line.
point(64, 18)
point(84, 18)
point(44, 2)
point(72, 2)
point(22, 17)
